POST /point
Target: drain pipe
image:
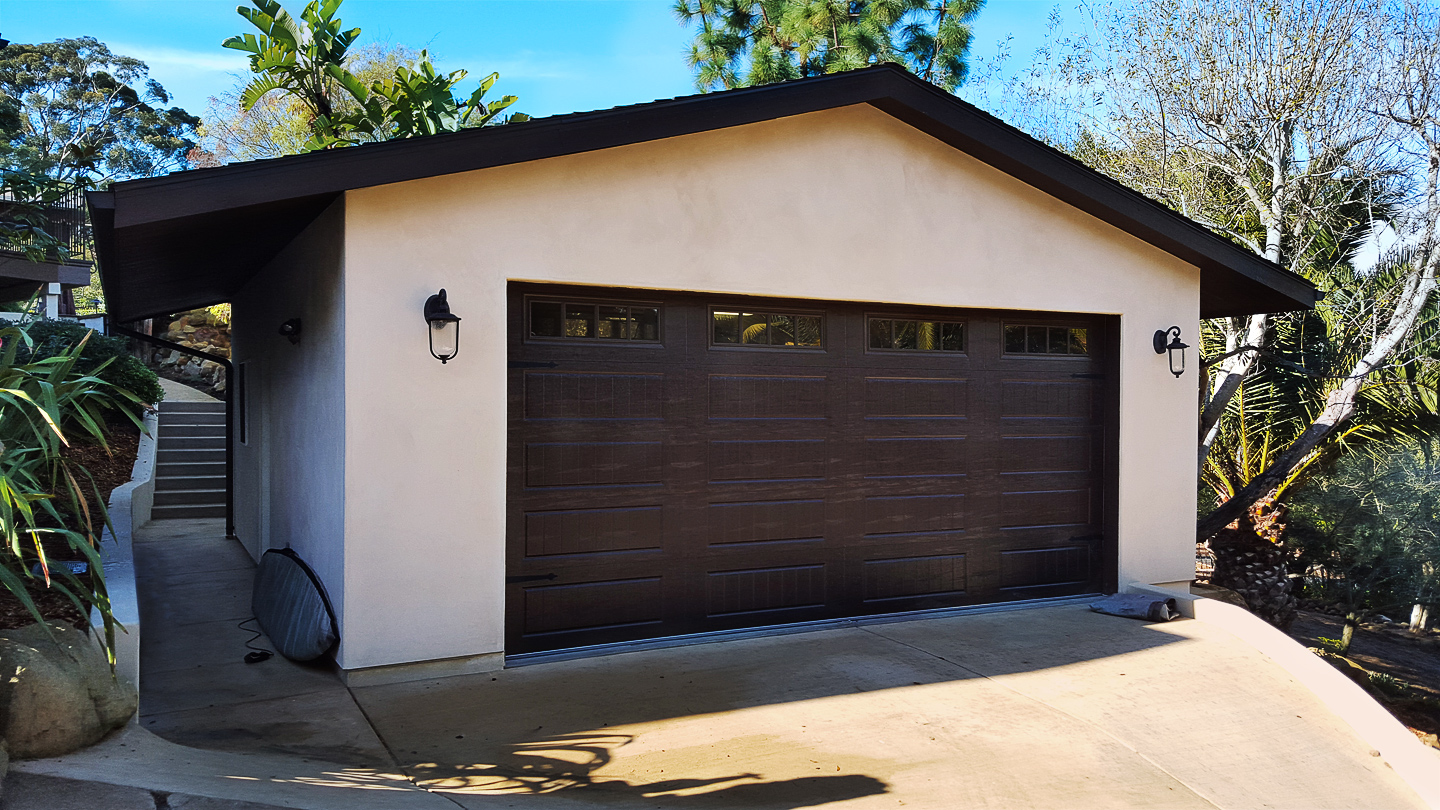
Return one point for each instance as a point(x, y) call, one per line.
point(229, 410)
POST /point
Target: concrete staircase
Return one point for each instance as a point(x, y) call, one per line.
point(190, 460)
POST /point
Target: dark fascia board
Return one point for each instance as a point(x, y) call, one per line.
point(1234, 281)
point(20, 269)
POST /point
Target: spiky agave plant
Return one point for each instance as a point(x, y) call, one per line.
point(42, 497)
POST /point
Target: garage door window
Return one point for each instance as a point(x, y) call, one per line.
point(1052, 340)
point(898, 334)
point(595, 321)
point(765, 329)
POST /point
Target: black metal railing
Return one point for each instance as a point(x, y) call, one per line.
point(61, 215)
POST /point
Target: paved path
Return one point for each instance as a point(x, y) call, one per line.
point(196, 689)
point(181, 392)
point(1053, 707)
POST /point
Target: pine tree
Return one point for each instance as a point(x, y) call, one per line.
point(739, 43)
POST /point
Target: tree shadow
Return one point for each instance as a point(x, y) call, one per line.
point(568, 764)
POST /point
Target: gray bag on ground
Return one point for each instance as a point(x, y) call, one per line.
point(1138, 606)
point(291, 606)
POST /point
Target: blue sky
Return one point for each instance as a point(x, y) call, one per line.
point(558, 56)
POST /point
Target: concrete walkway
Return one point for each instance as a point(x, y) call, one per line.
point(1050, 707)
point(180, 392)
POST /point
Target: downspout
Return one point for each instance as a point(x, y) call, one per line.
point(229, 410)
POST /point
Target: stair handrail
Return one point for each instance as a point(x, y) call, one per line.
point(114, 327)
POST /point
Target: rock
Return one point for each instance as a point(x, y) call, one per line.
point(57, 695)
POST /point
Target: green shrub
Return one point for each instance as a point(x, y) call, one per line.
point(126, 372)
point(42, 493)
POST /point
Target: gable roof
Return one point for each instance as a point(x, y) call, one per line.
point(194, 238)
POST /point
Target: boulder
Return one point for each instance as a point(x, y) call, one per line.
point(57, 692)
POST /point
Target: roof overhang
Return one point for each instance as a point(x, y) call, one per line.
point(194, 238)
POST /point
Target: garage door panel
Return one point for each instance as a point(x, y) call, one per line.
point(593, 531)
point(1050, 567)
point(1032, 454)
point(765, 521)
point(909, 514)
point(767, 590)
point(591, 606)
point(582, 464)
point(930, 577)
point(1046, 508)
point(915, 456)
point(573, 395)
point(767, 459)
point(889, 398)
point(749, 396)
point(1047, 399)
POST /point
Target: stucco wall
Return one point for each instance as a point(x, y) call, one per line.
point(289, 475)
point(846, 204)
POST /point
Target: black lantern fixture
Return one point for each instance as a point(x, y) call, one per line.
point(1174, 347)
point(291, 330)
point(444, 328)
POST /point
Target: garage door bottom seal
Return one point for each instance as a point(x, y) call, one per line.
point(572, 653)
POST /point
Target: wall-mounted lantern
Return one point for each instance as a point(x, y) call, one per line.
point(444, 327)
point(291, 330)
point(1174, 347)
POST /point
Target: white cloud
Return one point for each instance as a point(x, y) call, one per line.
point(218, 61)
point(521, 66)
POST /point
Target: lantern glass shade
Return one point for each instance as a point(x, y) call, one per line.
point(1176, 350)
point(444, 339)
point(443, 326)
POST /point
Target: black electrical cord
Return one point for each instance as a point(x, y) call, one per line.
point(259, 653)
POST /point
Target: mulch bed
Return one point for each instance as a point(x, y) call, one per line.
point(110, 470)
point(1392, 651)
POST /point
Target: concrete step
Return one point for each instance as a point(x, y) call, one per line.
point(188, 469)
point(159, 512)
point(189, 455)
point(191, 407)
point(192, 430)
point(168, 418)
point(190, 443)
point(202, 482)
point(176, 497)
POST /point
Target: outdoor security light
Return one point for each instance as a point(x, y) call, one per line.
point(291, 330)
point(1174, 347)
point(444, 327)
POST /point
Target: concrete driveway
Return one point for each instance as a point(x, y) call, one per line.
point(1052, 707)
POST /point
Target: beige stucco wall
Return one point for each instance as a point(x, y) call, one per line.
point(289, 483)
point(846, 204)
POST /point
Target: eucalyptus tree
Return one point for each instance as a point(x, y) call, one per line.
point(75, 111)
point(740, 43)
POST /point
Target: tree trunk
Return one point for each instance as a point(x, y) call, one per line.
point(1250, 559)
point(1228, 377)
point(1419, 618)
point(1340, 404)
point(1347, 633)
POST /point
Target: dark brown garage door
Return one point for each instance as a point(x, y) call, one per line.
point(682, 464)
